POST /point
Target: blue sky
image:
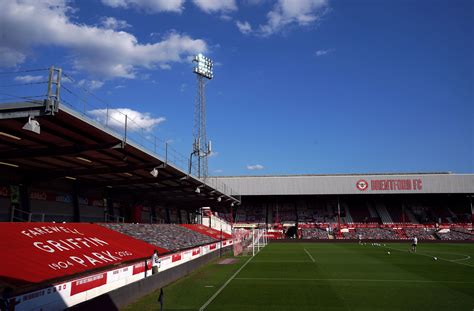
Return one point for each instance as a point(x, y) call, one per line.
point(301, 87)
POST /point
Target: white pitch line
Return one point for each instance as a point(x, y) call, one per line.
point(352, 280)
point(280, 261)
point(468, 257)
point(312, 259)
point(431, 256)
point(204, 306)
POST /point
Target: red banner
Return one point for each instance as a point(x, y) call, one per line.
point(37, 252)
point(176, 257)
point(90, 282)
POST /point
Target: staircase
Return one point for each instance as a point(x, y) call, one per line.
point(348, 218)
point(383, 213)
point(372, 212)
point(411, 216)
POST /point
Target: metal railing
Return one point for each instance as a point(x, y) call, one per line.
point(113, 218)
point(25, 216)
point(121, 121)
point(156, 220)
point(58, 87)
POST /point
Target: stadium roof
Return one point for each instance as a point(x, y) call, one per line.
point(74, 148)
point(346, 184)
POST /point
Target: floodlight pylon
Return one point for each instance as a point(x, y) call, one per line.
point(201, 146)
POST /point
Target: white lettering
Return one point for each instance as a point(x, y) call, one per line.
point(58, 246)
point(43, 247)
point(78, 260)
point(27, 233)
point(92, 260)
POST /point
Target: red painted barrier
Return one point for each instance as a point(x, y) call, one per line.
point(87, 283)
point(176, 257)
point(37, 252)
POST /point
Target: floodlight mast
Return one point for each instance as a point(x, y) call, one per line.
point(201, 147)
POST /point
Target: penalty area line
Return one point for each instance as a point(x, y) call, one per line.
point(204, 306)
point(467, 258)
point(431, 256)
point(311, 257)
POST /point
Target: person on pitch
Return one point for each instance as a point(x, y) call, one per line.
point(414, 244)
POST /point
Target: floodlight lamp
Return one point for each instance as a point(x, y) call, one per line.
point(232, 204)
point(219, 199)
point(32, 125)
point(198, 190)
point(154, 172)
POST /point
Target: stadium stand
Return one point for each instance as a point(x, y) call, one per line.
point(350, 235)
point(455, 234)
point(420, 233)
point(215, 234)
point(360, 212)
point(314, 233)
point(169, 236)
point(394, 208)
point(383, 213)
point(372, 234)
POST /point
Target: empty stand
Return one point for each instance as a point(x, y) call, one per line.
point(383, 213)
point(314, 233)
point(169, 236)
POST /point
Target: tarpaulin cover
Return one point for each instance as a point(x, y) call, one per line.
point(38, 252)
point(208, 231)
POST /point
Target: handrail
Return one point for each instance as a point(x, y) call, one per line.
point(156, 220)
point(28, 214)
point(114, 218)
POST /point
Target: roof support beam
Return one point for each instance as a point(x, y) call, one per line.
point(57, 151)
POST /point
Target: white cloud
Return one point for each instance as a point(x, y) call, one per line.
point(119, 87)
point(218, 171)
point(30, 79)
point(292, 12)
point(91, 84)
point(212, 6)
point(154, 6)
point(9, 57)
point(135, 120)
point(255, 167)
point(225, 17)
point(323, 52)
point(103, 52)
point(165, 66)
point(244, 27)
point(113, 23)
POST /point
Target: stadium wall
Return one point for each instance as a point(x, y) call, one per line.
point(123, 296)
point(128, 282)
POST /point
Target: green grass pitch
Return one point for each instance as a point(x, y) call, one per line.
point(337, 276)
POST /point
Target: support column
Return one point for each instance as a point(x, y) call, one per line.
point(24, 202)
point(168, 217)
point(75, 203)
point(472, 209)
point(153, 213)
